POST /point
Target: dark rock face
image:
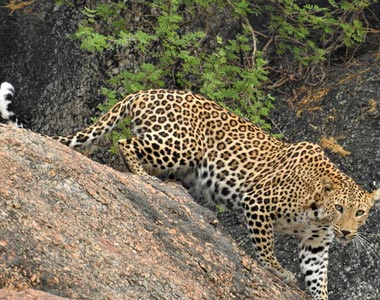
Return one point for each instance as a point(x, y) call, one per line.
point(57, 84)
point(58, 87)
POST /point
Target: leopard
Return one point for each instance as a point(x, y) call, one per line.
point(7, 114)
point(274, 185)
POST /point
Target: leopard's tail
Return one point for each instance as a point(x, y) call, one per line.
point(104, 125)
point(6, 108)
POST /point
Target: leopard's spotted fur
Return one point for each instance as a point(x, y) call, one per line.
point(293, 188)
point(6, 108)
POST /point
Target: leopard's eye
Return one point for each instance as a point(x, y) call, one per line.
point(359, 213)
point(339, 207)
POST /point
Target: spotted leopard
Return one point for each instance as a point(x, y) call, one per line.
point(6, 109)
point(292, 188)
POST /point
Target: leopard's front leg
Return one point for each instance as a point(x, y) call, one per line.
point(313, 256)
point(260, 228)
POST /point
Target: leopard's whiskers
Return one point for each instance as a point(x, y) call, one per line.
point(367, 245)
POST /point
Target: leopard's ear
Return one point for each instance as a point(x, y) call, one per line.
point(374, 196)
point(327, 185)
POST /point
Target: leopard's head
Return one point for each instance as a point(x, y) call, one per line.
point(347, 206)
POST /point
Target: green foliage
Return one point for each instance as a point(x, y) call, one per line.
point(172, 45)
point(176, 47)
point(220, 208)
point(312, 33)
point(91, 40)
point(64, 2)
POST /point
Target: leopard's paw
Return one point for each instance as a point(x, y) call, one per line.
point(287, 276)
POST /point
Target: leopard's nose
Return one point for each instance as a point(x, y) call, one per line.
point(346, 232)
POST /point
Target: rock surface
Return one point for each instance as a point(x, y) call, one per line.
point(29, 294)
point(81, 230)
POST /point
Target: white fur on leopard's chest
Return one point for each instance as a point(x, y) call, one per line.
point(298, 223)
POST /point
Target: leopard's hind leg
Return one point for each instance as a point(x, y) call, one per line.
point(148, 150)
point(130, 153)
